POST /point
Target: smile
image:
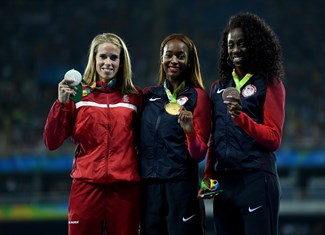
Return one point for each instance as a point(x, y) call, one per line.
point(174, 69)
point(237, 59)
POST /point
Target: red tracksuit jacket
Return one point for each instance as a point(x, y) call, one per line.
point(102, 126)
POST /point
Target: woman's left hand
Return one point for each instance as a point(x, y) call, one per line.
point(185, 119)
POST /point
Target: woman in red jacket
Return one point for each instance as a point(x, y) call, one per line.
point(105, 187)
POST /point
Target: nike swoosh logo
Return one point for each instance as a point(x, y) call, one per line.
point(154, 99)
point(220, 90)
point(188, 218)
point(254, 209)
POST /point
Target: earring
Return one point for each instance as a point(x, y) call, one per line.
point(229, 62)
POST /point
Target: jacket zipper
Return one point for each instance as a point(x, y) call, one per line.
point(107, 151)
point(156, 142)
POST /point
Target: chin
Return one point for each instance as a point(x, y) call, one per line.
point(238, 64)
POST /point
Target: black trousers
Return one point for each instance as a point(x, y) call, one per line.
point(248, 205)
point(171, 208)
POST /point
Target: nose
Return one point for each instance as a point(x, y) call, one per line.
point(108, 61)
point(174, 59)
point(235, 49)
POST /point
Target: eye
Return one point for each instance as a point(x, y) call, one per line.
point(181, 56)
point(242, 44)
point(114, 57)
point(102, 56)
point(167, 55)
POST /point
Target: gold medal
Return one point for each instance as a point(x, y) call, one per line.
point(172, 108)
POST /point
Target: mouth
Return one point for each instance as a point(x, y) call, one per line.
point(173, 69)
point(237, 59)
point(107, 70)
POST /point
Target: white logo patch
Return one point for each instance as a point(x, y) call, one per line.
point(220, 90)
point(74, 222)
point(249, 90)
point(254, 209)
point(154, 99)
point(182, 100)
point(188, 218)
point(126, 98)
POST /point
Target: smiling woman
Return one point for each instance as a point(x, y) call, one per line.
point(105, 187)
point(237, 49)
point(175, 128)
point(247, 128)
point(174, 58)
point(107, 61)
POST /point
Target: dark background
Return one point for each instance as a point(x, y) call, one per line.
point(42, 39)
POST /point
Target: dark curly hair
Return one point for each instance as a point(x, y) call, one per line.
point(265, 54)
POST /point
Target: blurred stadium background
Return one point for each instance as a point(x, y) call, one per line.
point(42, 39)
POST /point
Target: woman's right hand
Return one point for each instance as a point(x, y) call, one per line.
point(65, 90)
point(234, 108)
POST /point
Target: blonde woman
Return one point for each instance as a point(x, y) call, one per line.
point(105, 191)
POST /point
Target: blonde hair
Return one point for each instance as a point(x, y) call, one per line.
point(123, 76)
point(195, 77)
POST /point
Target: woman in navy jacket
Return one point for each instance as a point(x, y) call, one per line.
point(247, 130)
point(175, 128)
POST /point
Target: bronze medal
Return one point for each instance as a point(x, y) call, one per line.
point(230, 94)
point(172, 108)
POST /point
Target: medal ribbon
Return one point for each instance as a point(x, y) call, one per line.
point(172, 97)
point(93, 86)
point(240, 83)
